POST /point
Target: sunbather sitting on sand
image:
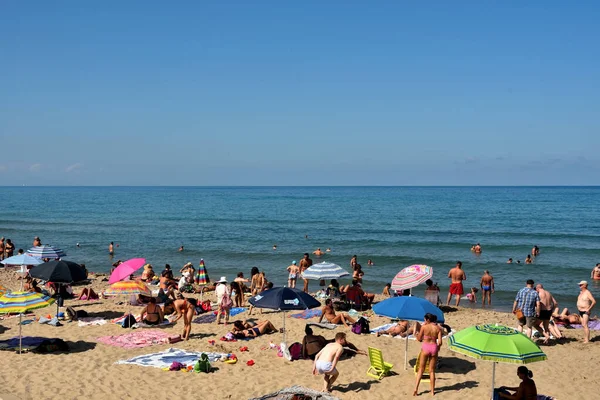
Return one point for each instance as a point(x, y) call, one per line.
point(261, 328)
point(152, 314)
point(329, 314)
point(402, 329)
point(88, 294)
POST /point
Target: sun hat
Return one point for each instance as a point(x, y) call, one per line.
point(582, 283)
point(222, 280)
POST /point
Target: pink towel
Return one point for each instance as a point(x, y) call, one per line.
point(137, 339)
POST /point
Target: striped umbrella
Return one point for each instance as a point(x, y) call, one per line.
point(324, 270)
point(128, 288)
point(496, 343)
point(3, 290)
point(21, 302)
point(202, 275)
point(46, 251)
point(411, 276)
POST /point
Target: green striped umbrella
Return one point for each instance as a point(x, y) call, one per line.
point(496, 343)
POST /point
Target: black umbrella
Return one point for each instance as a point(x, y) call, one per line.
point(284, 299)
point(61, 272)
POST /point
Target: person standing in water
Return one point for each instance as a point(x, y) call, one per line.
point(487, 288)
point(111, 249)
point(293, 272)
point(596, 272)
point(457, 275)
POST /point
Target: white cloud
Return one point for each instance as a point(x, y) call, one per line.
point(35, 167)
point(73, 167)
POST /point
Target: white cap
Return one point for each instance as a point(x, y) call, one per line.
point(583, 283)
point(222, 280)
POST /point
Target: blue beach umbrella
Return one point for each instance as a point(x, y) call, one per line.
point(324, 270)
point(22, 259)
point(284, 299)
point(408, 308)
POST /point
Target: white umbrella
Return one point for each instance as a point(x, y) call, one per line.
point(324, 270)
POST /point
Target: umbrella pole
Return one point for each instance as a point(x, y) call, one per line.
point(493, 378)
point(406, 355)
point(20, 335)
point(284, 327)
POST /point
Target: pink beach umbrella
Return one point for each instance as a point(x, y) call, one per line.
point(411, 276)
point(125, 269)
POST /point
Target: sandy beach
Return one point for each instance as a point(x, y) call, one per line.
point(89, 370)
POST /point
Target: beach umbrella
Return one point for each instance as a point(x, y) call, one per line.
point(202, 275)
point(496, 343)
point(408, 308)
point(125, 269)
point(22, 259)
point(3, 290)
point(124, 288)
point(60, 272)
point(324, 270)
point(46, 251)
point(284, 299)
point(21, 302)
point(411, 276)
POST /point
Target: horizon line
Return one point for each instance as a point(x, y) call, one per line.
point(300, 186)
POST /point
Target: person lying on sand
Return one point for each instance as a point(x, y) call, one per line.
point(402, 329)
point(239, 325)
point(261, 328)
point(329, 314)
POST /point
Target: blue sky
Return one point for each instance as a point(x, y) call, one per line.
point(299, 93)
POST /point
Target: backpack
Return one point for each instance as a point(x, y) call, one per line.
point(128, 322)
point(361, 326)
point(296, 351)
point(226, 302)
point(203, 364)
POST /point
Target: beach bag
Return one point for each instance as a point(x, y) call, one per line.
point(176, 366)
point(203, 364)
point(519, 314)
point(128, 322)
point(361, 326)
point(296, 351)
point(226, 302)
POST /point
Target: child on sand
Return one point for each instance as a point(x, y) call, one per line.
point(327, 359)
point(472, 297)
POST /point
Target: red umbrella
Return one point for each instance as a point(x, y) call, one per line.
point(125, 269)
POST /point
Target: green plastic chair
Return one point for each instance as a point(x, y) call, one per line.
point(378, 368)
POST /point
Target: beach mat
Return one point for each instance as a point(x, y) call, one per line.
point(234, 311)
point(91, 321)
point(593, 325)
point(35, 344)
point(324, 325)
point(205, 319)
point(165, 358)
point(289, 393)
point(145, 325)
point(306, 314)
point(138, 339)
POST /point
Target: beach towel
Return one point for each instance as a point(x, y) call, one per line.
point(306, 314)
point(234, 311)
point(289, 393)
point(89, 321)
point(119, 320)
point(164, 359)
point(324, 325)
point(34, 343)
point(142, 324)
point(388, 326)
point(593, 325)
point(137, 339)
point(205, 319)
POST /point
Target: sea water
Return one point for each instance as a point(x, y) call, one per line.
point(235, 228)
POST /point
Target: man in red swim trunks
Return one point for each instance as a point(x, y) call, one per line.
point(456, 288)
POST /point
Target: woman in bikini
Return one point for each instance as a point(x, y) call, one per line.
point(256, 286)
point(329, 314)
point(260, 328)
point(152, 314)
point(430, 336)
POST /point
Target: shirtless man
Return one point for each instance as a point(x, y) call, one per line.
point(37, 242)
point(528, 259)
point(585, 303)
point(596, 272)
point(318, 252)
point(111, 249)
point(185, 308)
point(2, 249)
point(457, 275)
point(293, 271)
point(547, 304)
point(487, 288)
point(477, 248)
point(327, 359)
point(535, 251)
point(305, 263)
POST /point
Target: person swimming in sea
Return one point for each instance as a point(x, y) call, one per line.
point(274, 247)
point(180, 248)
point(509, 261)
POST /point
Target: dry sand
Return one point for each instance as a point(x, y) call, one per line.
point(89, 370)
